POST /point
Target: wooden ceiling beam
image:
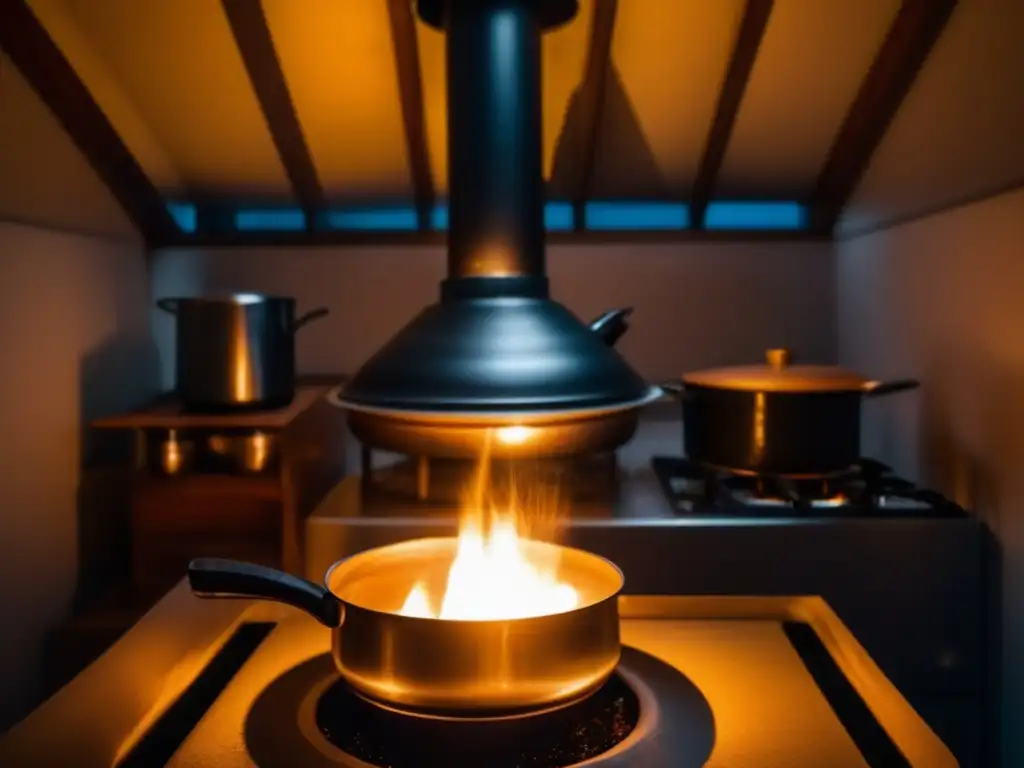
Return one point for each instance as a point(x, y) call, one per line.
point(737, 75)
point(30, 47)
point(591, 102)
point(915, 30)
point(410, 92)
point(252, 36)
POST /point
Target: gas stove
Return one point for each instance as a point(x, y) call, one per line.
point(727, 681)
point(906, 569)
point(867, 489)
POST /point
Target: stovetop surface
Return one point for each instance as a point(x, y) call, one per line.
point(868, 489)
point(668, 491)
point(917, 600)
point(727, 682)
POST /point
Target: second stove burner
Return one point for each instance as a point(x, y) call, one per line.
point(302, 717)
point(549, 740)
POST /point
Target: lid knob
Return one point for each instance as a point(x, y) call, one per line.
point(777, 358)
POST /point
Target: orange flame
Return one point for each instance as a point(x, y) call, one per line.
point(493, 576)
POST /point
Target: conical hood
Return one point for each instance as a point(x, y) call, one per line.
point(496, 355)
point(495, 342)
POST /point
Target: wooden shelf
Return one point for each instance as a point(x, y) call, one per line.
point(168, 521)
point(166, 412)
point(267, 487)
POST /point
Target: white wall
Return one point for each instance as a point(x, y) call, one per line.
point(697, 304)
point(943, 298)
point(75, 343)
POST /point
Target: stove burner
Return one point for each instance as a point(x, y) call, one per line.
point(302, 719)
point(868, 488)
point(553, 739)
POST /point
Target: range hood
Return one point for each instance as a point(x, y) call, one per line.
point(495, 342)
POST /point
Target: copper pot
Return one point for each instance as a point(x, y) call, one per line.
point(777, 418)
point(441, 666)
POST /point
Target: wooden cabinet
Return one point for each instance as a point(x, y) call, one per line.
point(210, 506)
point(145, 526)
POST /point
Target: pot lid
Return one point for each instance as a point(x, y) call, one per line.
point(498, 355)
point(778, 375)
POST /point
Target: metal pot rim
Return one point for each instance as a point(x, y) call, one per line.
point(496, 418)
point(235, 298)
point(353, 568)
point(777, 375)
point(808, 380)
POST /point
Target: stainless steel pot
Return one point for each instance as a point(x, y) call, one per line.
point(236, 351)
point(439, 666)
point(776, 418)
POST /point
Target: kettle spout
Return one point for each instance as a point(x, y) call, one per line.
point(611, 325)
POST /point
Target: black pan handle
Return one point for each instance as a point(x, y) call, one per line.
point(170, 306)
point(212, 577)
point(879, 388)
point(309, 317)
point(673, 388)
point(611, 325)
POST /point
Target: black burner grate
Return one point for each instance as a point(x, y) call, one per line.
point(868, 489)
point(550, 740)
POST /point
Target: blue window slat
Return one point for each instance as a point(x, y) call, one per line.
point(755, 215)
point(558, 217)
point(184, 216)
point(270, 220)
point(439, 217)
point(389, 219)
point(621, 216)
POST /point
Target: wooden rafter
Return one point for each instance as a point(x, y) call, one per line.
point(591, 104)
point(410, 91)
point(914, 32)
point(252, 36)
point(737, 75)
point(28, 45)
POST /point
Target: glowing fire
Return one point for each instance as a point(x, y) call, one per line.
point(494, 574)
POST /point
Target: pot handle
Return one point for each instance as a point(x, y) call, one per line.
point(673, 388)
point(879, 388)
point(611, 325)
point(309, 317)
point(170, 306)
point(212, 577)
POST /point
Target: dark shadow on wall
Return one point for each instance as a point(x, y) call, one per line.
point(982, 472)
point(625, 166)
point(120, 374)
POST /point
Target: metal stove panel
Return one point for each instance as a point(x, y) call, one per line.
point(767, 710)
point(911, 588)
point(748, 698)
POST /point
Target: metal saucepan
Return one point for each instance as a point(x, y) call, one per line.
point(236, 351)
point(776, 418)
point(438, 666)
